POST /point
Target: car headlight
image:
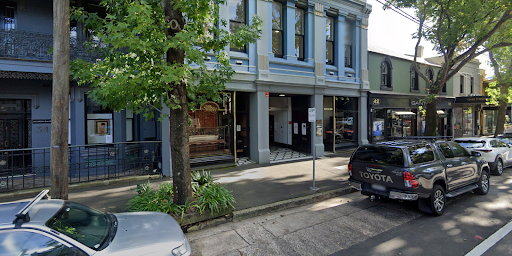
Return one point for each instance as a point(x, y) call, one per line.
point(180, 250)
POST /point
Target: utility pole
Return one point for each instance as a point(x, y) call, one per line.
point(60, 101)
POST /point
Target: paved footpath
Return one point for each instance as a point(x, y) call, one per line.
point(252, 185)
point(317, 229)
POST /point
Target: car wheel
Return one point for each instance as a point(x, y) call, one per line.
point(499, 168)
point(438, 200)
point(483, 184)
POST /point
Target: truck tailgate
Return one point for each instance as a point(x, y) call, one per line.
point(380, 176)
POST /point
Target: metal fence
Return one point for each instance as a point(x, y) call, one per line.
point(30, 167)
point(21, 44)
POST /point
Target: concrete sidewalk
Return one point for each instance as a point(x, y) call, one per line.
point(252, 185)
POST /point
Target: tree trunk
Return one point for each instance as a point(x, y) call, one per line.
point(60, 101)
point(500, 123)
point(181, 175)
point(431, 119)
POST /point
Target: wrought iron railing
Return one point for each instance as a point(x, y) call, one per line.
point(30, 167)
point(21, 44)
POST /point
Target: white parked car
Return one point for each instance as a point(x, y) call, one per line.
point(60, 227)
point(497, 153)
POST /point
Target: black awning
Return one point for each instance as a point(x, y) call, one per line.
point(472, 99)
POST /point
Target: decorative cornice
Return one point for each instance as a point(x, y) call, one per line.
point(25, 75)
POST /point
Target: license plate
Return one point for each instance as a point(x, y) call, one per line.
point(378, 187)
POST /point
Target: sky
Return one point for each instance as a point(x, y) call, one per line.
point(392, 31)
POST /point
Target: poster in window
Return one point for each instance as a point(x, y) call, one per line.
point(102, 127)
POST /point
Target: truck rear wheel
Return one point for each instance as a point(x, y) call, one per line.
point(437, 200)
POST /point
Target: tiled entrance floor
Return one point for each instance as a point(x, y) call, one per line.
point(277, 154)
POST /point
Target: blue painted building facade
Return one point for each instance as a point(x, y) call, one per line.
point(311, 54)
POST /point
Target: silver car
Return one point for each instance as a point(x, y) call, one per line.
point(60, 227)
point(496, 152)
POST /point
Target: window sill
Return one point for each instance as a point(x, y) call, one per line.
point(386, 88)
point(417, 91)
point(331, 67)
point(291, 62)
point(239, 55)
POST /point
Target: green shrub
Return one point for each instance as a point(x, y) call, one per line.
point(202, 177)
point(211, 196)
point(214, 198)
point(147, 199)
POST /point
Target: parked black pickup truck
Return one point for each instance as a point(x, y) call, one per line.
point(418, 170)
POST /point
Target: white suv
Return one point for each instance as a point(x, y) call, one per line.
point(497, 153)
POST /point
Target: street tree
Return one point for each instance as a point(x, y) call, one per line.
point(458, 29)
point(154, 55)
point(500, 90)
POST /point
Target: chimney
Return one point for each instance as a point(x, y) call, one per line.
point(419, 52)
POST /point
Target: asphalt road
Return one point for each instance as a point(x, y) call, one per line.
point(354, 225)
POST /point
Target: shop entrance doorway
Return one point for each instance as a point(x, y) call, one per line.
point(289, 126)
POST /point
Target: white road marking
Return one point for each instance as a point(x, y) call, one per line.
point(491, 241)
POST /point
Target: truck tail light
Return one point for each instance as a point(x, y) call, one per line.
point(350, 170)
point(410, 181)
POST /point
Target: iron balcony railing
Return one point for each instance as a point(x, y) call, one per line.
point(19, 44)
point(30, 167)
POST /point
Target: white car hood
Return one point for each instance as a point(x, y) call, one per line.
point(145, 233)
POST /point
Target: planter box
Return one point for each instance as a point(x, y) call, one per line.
point(192, 218)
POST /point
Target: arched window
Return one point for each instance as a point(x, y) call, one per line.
point(430, 74)
point(415, 81)
point(385, 70)
point(443, 87)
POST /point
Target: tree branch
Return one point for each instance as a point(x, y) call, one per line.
point(474, 55)
point(506, 16)
point(495, 66)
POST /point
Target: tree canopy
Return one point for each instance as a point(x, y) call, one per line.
point(458, 29)
point(134, 73)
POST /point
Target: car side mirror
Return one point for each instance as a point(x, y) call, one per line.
point(474, 153)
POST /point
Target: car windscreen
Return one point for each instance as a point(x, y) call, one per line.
point(471, 143)
point(85, 225)
point(380, 155)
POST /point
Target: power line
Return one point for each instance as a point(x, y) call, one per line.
point(401, 12)
point(411, 19)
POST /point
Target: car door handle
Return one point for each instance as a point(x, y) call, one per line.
point(449, 165)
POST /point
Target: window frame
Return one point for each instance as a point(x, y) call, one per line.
point(389, 76)
point(414, 79)
point(461, 84)
point(443, 87)
point(244, 48)
point(303, 35)
point(348, 47)
point(471, 84)
point(332, 41)
point(3, 6)
point(280, 30)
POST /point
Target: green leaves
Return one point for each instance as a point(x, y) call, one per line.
point(134, 73)
point(211, 196)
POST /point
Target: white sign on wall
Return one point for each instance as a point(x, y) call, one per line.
point(311, 114)
point(295, 128)
point(304, 129)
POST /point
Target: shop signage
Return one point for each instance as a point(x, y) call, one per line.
point(210, 108)
point(376, 102)
point(267, 94)
point(417, 103)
